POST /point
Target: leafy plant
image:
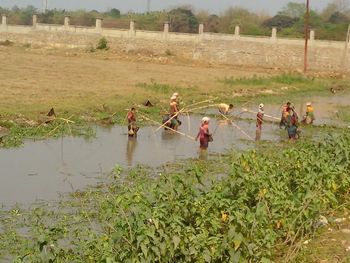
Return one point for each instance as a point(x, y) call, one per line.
point(102, 44)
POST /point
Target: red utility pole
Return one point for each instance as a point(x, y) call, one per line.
point(307, 17)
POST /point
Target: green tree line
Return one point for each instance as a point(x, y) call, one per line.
point(330, 23)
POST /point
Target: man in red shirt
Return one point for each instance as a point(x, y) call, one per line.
point(203, 134)
point(132, 128)
point(259, 122)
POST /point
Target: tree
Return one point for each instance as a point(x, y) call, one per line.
point(211, 22)
point(294, 10)
point(280, 21)
point(249, 22)
point(338, 18)
point(342, 6)
point(183, 20)
point(114, 12)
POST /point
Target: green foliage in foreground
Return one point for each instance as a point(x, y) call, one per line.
point(261, 204)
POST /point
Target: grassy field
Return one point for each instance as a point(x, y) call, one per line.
point(33, 81)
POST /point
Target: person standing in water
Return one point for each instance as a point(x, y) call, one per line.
point(174, 113)
point(259, 122)
point(225, 109)
point(285, 112)
point(204, 135)
point(132, 128)
point(292, 125)
point(309, 117)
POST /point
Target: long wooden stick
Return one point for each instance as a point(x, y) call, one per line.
point(199, 108)
point(182, 110)
point(236, 126)
point(181, 133)
point(266, 115)
point(66, 120)
point(189, 122)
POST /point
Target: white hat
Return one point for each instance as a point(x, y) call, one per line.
point(205, 119)
point(261, 106)
point(308, 104)
point(173, 97)
point(175, 94)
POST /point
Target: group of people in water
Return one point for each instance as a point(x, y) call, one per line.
point(289, 120)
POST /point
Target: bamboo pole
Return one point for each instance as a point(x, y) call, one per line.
point(181, 133)
point(66, 120)
point(266, 115)
point(307, 34)
point(181, 111)
point(199, 108)
point(236, 126)
point(189, 122)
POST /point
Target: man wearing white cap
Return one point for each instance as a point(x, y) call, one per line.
point(259, 121)
point(176, 95)
point(174, 113)
point(203, 135)
point(310, 116)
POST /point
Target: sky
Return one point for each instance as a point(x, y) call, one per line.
point(214, 6)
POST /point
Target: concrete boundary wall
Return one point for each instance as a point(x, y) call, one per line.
point(235, 49)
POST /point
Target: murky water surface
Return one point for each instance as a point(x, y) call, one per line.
point(44, 169)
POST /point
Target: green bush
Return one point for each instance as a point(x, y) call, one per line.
point(102, 44)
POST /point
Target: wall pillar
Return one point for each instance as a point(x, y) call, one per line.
point(312, 35)
point(4, 20)
point(99, 24)
point(201, 29)
point(35, 20)
point(274, 33)
point(66, 21)
point(132, 26)
point(237, 28)
point(166, 27)
point(132, 30)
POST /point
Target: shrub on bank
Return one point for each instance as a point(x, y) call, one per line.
point(102, 44)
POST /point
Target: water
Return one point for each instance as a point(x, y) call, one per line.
point(42, 170)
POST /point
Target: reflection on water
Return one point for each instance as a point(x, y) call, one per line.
point(258, 134)
point(42, 169)
point(130, 149)
point(203, 154)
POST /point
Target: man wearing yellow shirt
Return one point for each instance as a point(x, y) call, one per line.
point(225, 109)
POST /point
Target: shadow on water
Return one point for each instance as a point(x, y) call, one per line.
point(41, 170)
